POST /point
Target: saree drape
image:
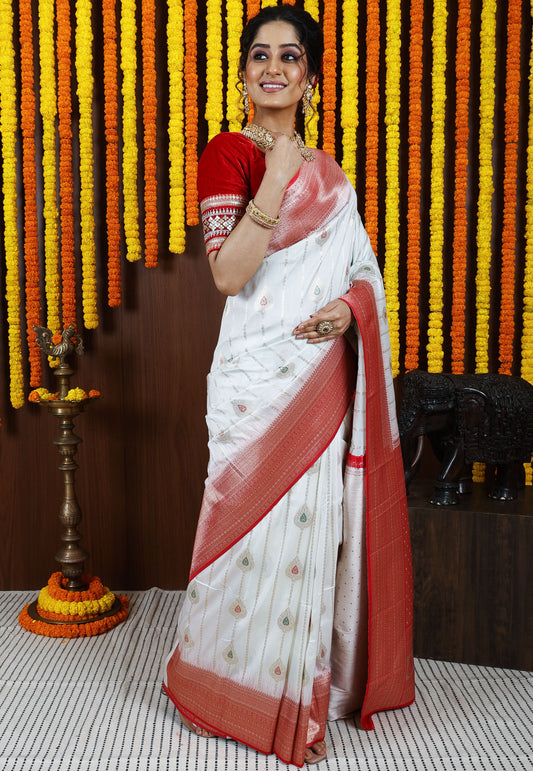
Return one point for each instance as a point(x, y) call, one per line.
point(300, 594)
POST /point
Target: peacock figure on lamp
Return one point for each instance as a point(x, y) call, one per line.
point(73, 604)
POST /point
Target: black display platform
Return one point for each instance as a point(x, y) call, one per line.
point(473, 578)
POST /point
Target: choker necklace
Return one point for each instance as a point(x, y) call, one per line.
point(265, 140)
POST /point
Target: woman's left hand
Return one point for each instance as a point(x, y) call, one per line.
point(337, 317)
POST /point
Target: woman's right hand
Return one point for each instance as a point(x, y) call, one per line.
point(283, 161)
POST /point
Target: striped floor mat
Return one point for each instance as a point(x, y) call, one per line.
point(96, 704)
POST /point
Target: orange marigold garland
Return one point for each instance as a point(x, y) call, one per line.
point(80, 614)
point(29, 177)
point(150, 133)
point(66, 186)
point(252, 8)
point(460, 228)
point(412, 324)
point(527, 327)
point(372, 118)
point(190, 74)
point(109, 21)
point(329, 97)
point(512, 120)
point(350, 86)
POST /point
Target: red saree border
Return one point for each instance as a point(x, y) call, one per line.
point(390, 683)
point(268, 724)
point(259, 477)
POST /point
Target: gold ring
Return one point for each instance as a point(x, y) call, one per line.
point(324, 328)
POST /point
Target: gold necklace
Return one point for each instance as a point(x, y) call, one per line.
point(265, 140)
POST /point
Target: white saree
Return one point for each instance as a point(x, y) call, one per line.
point(278, 590)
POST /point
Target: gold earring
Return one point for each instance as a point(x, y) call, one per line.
point(245, 99)
point(307, 101)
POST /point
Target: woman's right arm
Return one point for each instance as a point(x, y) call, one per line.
point(241, 254)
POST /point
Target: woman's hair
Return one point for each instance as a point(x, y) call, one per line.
point(308, 31)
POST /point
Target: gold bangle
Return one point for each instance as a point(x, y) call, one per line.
point(260, 217)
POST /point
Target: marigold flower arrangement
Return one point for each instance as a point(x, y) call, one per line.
point(29, 177)
point(150, 134)
point(175, 33)
point(412, 332)
point(435, 351)
point(8, 128)
point(71, 614)
point(392, 200)
point(215, 88)
point(349, 104)
point(128, 65)
point(372, 120)
point(190, 75)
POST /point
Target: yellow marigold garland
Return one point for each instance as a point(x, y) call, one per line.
point(128, 65)
point(350, 93)
point(512, 121)
point(175, 33)
point(329, 66)
point(48, 108)
point(29, 178)
point(84, 64)
point(435, 336)
point(372, 120)
point(460, 228)
point(150, 133)
point(109, 24)
point(215, 88)
point(234, 113)
point(311, 124)
point(66, 185)
point(412, 322)
point(392, 199)
point(8, 128)
point(486, 186)
point(190, 73)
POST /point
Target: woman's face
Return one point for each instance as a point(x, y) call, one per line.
point(276, 69)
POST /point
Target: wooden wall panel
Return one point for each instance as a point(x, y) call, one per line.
point(142, 462)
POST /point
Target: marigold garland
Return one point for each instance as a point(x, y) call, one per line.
point(329, 66)
point(486, 186)
point(412, 322)
point(392, 199)
point(128, 65)
point(435, 352)
point(215, 88)
point(29, 178)
point(8, 128)
point(233, 96)
point(512, 120)
point(252, 8)
point(175, 32)
point(109, 25)
point(460, 227)
point(150, 133)
point(84, 63)
point(66, 185)
point(311, 124)
point(190, 75)
point(79, 612)
point(350, 93)
point(48, 108)
point(527, 314)
point(372, 118)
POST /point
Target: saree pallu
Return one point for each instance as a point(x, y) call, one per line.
point(300, 596)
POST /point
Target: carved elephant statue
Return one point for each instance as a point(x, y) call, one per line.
point(467, 418)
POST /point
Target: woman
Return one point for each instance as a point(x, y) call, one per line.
point(282, 627)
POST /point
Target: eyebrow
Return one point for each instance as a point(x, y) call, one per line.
point(283, 45)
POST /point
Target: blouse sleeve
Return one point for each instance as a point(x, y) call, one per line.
point(223, 187)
